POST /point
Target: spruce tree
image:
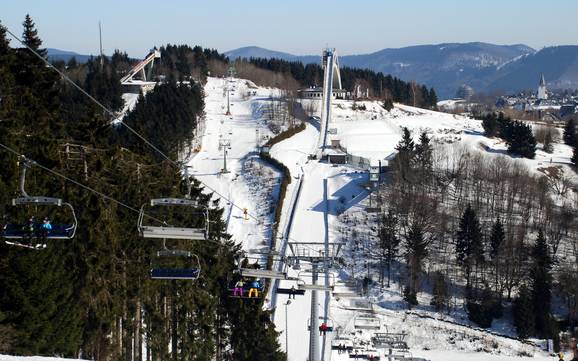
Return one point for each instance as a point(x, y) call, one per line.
point(523, 311)
point(541, 284)
point(406, 154)
point(416, 250)
point(521, 140)
point(491, 125)
point(4, 41)
point(389, 241)
point(30, 36)
point(469, 246)
point(570, 136)
point(440, 292)
point(423, 153)
point(497, 238)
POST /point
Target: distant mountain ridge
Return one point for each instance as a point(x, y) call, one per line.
point(65, 55)
point(485, 67)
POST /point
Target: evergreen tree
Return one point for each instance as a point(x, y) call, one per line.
point(491, 125)
point(424, 154)
point(387, 104)
point(523, 311)
point(469, 247)
point(4, 42)
point(416, 250)
point(405, 155)
point(570, 136)
point(389, 241)
point(548, 146)
point(30, 36)
point(497, 238)
point(433, 99)
point(521, 140)
point(441, 293)
point(541, 285)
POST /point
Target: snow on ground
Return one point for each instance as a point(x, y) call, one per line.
point(244, 191)
point(130, 100)
point(328, 191)
point(374, 133)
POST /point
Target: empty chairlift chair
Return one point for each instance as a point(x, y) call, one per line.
point(173, 232)
point(25, 234)
point(367, 322)
point(189, 267)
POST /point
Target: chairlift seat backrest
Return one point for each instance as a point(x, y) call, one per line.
point(173, 202)
point(173, 253)
point(173, 232)
point(175, 273)
point(259, 273)
point(20, 231)
point(315, 287)
point(46, 201)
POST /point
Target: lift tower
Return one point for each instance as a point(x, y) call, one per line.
point(322, 256)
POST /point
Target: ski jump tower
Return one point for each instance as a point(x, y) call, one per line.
point(331, 80)
point(145, 83)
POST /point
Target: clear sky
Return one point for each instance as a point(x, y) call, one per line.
point(296, 26)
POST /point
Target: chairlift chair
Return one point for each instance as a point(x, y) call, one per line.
point(330, 324)
point(191, 272)
point(294, 290)
point(171, 232)
point(367, 322)
point(15, 233)
point(245, 291)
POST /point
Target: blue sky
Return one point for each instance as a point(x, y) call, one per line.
point(294, 26)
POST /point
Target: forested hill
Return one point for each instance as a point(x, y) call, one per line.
point(92, 297)
point(183, 62)
point(381, 86)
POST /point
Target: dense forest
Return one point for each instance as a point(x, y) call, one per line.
point(91, 296)
point(380, 86)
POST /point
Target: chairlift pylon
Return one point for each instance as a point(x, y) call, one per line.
point(23, 235)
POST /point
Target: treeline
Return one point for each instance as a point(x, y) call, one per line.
point(571, 138)
point(517, 134)
point(475, 230)
point(91, 297)
point(183, 62)
point(381, 86)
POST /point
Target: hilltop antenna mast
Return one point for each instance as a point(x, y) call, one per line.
point(101, 54)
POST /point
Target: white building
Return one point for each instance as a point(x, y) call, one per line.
point(317, 93)
point(542, 93)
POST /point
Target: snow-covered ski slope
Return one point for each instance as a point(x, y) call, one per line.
point(240, 128)
point(328, 191)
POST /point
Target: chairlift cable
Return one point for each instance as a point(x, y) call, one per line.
point(110, 112)
point(53, 172)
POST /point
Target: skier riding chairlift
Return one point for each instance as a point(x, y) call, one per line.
point(323, 329)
